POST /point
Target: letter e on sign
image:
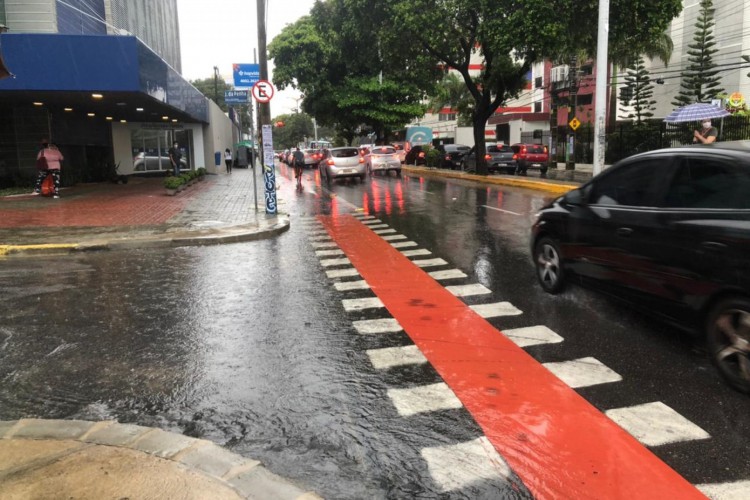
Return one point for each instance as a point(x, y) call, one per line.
point(263, 91)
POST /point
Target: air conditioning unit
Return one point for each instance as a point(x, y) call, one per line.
point(559, 74)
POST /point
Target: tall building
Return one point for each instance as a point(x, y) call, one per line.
point(101, 79)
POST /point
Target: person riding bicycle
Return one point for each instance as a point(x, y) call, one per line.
point(299, 162)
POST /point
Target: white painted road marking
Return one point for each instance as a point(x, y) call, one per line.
point(532, 335)
point(655, 424)
point(448, 274)
point(455, 467)
point(321, 238)
point(496, 309)
point(394, 237)
point(344, 286)
point(359, 304)
point(335, 262)
point(384, 231)
point(383, 359)
point(501, 210)
point(583, 372)
point(429, 262)
point(404, 244)
point(325, 244)
point(375, 326)
point(416, 253)
point(468, 290)
point(378, 226)
point(342, 273)
point(424, 399)
point(328, 253)
point(371, 221)
point(739, 490)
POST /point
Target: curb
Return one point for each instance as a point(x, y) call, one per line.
point(550, 187)
point(247, 477)
point(233, 234)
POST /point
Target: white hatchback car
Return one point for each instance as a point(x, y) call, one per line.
point(382, 159)
point(342, 162)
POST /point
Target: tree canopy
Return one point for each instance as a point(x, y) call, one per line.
point(207, 88)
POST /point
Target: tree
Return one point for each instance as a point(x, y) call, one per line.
point(337, 57)
point(452, 92)
point(700, 81)
point(296, 127)
point(640, 91)
point(507, 37)
point(206, 87)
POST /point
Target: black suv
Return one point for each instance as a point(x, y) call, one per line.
point(668, 231)
point(452, 155)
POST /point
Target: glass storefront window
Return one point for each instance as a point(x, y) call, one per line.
point(151, 148)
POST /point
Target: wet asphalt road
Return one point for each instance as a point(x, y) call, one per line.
point(248, 345)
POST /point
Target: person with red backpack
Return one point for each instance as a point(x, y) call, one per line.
point(48, 162)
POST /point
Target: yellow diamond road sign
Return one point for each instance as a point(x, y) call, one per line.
point(574, 123)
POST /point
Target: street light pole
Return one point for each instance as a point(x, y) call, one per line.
point(600, 112)
point(216, 84)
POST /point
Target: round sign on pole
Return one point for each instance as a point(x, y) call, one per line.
point(263, 91)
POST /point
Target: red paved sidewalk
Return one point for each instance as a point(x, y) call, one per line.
point(141, 202)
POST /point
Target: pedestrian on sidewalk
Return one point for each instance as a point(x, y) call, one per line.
point(48, 161)
point(175, 156)
point(707, 134)
point(228, 160)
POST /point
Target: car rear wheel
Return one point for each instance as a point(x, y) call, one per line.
point(549, 267)
point(728, 340)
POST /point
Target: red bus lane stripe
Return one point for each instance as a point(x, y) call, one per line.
point(557, 442)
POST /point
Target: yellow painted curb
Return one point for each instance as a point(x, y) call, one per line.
point(11, 249)
point(549, 187)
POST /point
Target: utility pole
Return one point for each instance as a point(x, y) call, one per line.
point(600, 112)
point(216, 84)
point(265, 109)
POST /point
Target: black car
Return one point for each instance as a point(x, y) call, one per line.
point(415, 156)
point(452, 155)
point(668, 231)
point(499, 158)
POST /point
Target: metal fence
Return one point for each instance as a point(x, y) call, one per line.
point(627, 139)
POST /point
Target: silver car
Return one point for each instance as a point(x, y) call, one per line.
point(144, 163)
point(342, 162)
point(382, 159)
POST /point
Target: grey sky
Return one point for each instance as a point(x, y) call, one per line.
point(223, 32)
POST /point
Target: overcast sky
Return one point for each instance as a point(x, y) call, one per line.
point(223, 32)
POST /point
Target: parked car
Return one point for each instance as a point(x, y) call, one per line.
point(312, 157)
point(148, 163)
point(669, 232)
point(400, 147)
point(499, 158)
point(453, 154)
point(531, 156)
point(382, 159)
point(342, 162)
point(415, 156)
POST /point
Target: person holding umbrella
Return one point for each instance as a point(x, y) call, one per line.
point(707, 134)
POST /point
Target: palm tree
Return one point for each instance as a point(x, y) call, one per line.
point(452, 92)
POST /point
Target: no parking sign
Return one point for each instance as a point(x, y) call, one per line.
point(263, 91)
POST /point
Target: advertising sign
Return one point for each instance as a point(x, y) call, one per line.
point(245, 75)
point(418, 135)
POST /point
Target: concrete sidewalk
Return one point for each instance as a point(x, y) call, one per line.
point(220, 209)
point(94, 460)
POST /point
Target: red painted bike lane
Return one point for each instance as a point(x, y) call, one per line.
point(558, 443)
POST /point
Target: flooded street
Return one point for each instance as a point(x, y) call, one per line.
point(252, 346)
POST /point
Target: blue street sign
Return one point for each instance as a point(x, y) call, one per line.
point(245, 75)
point(236, 96)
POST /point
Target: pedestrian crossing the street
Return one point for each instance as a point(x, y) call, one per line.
point(652, 424)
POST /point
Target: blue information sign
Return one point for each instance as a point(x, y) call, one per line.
point(236, 96)
point(245, 75)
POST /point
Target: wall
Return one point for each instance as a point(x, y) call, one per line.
point(217, 137)
point(31, 16)
point(121, 146)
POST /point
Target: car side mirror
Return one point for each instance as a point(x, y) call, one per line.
point(574, 197)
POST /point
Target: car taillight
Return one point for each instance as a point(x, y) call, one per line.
point(487, 157)
point(361, 159)
point(330, 161)
point(545, 149)
point(515, 157)
point(448, 157)
point(421, 154)
point(523, 150)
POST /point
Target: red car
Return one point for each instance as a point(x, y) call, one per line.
point(531, 156)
